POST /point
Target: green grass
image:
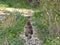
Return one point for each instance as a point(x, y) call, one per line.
point(55, 41)
point(3, 5)
point(14, 4)
point(48, 36)
point(12, 27)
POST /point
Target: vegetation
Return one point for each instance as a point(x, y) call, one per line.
point(47, 21)
point(12, 25)
point(28, 4)
point(14, 3)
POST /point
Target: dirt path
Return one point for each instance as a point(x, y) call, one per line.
point(7, 11)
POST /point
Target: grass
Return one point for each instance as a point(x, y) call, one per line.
point(12, 27)
point(44, 34)
point(14, 4)
point(55, 41)
point(3, 6)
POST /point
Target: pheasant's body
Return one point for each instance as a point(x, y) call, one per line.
point(28, 30)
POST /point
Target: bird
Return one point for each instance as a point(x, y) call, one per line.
point(28, 30)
